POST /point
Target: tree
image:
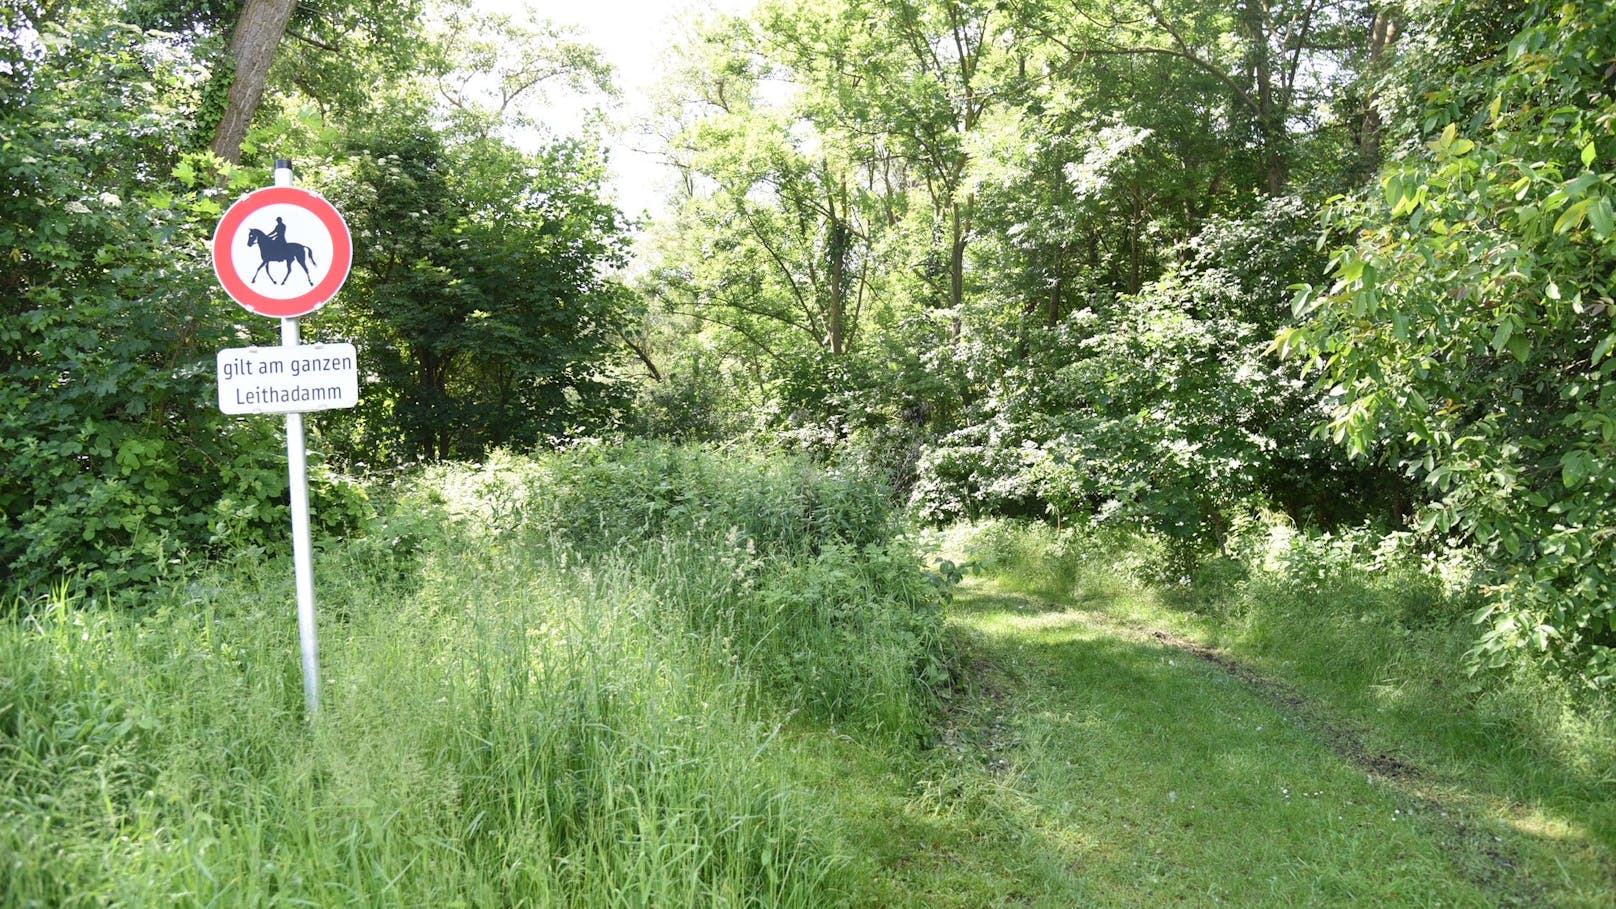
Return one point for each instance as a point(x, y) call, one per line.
point(479, 290)
point(253, 42)
point(491, 68)
point(1467, 335)
point(879, 245)
point(821, 216)
point(116, 457)
point(912, 78)
point(774, 236)
point(346, 48)
point(1274, 61)
point(117, 460)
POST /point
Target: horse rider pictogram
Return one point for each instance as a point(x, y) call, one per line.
point(274, 247)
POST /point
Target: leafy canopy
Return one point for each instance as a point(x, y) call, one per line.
point(1467, 332)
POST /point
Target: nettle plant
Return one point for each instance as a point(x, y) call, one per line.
point(1467, 333)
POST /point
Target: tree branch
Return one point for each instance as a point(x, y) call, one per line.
point(313, 41)
point(779, 262)
point(639, 351)
point(744, 333)
point(1182, 52)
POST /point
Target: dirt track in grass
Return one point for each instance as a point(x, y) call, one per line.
point(1371, 827)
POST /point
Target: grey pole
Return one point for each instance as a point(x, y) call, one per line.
point(302, 548)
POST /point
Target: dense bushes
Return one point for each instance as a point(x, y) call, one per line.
point(1163, 410)
point(115, 461)
point(1466, 331)
point(114, 453)
point(476, 296)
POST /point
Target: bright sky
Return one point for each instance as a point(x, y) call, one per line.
point(634, 35)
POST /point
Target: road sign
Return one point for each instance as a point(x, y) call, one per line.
point(299, 379)
point(282, 252)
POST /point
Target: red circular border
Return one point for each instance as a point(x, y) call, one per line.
point(291, 308)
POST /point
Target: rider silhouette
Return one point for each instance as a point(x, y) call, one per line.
point(274, 247)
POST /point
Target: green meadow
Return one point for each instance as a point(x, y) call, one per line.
point(811, 453)
point(669, 676)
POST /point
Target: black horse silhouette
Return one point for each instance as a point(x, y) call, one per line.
point(274, 250)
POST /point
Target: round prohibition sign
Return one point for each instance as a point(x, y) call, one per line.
point(282, 252)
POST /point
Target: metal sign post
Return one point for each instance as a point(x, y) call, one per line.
point(301, 237)
point(302, 549)
point(297, 466)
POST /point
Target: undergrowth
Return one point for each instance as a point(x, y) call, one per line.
point(551, 681)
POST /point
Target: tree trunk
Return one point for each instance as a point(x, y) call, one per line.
point(257, 34)
point(1054, 315)
point(837, 305)
point(838, 241)
point(1382, 35)
point(1270, 119)
point(961, 237)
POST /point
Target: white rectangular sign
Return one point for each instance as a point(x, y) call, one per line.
point(298, 379)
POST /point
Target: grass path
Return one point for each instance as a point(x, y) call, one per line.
point(1093, 762)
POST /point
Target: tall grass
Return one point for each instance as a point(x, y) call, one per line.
point(518, 710)
point(801, 577)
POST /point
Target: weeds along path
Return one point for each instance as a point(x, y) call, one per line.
point(1089, 761)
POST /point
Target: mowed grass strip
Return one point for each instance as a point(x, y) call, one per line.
point(1361, 644)
point(1133, 774)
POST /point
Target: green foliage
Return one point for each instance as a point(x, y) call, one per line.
point(477, 292)
point(1160, 410)
point(597, 495)
point(495, 326)
point(807, 244)
point(692, 401)
point(1466, 334)
point(1022, 259)
point(799, 575)
point(117, 459)
point(547, 682)
point(493, 70)
point(510, 734)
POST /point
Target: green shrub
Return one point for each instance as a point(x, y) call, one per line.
point(1161, 411)
point(799, 575)
point(1465, 331)
point(546, 681)
point(601, 496)
point(848, 634)
point(115, 462)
